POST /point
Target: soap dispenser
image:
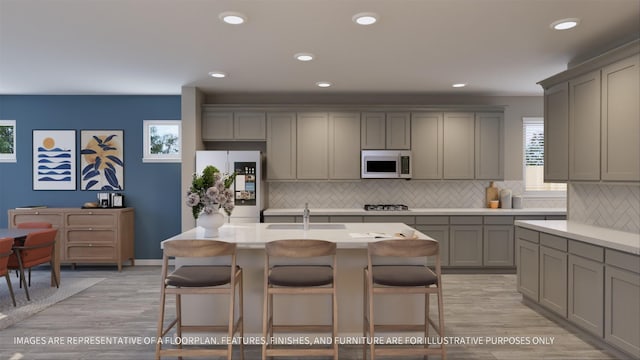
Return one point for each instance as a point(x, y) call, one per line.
point(305, 217)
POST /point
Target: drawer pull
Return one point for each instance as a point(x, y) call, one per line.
point(90, 245)
point(37, 213)
point(90, 212)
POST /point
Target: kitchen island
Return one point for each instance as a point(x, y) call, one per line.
point(352, 258)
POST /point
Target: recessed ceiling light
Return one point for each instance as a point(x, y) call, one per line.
point(459, 85)
point(232, 17)
point(565, 24)
point(323, 84)
point(217, 74)
point(365, 18)
point(304, 56)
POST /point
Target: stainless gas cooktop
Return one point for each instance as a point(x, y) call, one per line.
point(386, 207)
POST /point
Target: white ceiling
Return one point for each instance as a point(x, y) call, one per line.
point(498, 47)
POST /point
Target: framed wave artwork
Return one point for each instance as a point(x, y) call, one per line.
point(54, 159)
point(102, 160)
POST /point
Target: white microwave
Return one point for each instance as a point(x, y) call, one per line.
point(386, 164)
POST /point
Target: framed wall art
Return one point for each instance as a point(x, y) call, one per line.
point(54, 159)
point(8, 141)
point(102, 160)
point(162, 141)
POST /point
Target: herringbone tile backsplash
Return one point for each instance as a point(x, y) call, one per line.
point(611, 206)
point(415, 194)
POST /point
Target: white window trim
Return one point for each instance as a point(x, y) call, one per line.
point(10, 158)
point(147, 156)
point(539, 194)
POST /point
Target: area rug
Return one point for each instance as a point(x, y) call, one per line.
point(42, 296)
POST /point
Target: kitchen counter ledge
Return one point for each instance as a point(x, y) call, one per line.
point(418, 212)
point(608, 238)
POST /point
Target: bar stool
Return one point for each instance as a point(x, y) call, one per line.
point(201, 279)
point(402, 280)
point(299, 279)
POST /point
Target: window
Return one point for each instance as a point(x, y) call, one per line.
point(7, 141)
point(533, 154)
point(162, 141)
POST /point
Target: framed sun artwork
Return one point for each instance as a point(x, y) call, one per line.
point(54, 159)
point(102, 160)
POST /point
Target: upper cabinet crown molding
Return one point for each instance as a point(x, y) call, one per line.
point(595, 63)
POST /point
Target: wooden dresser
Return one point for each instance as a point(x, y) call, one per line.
point(87, 235)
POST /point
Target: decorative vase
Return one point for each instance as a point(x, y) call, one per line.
point(210, 223)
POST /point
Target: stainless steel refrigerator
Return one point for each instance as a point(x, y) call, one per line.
point(248, 187)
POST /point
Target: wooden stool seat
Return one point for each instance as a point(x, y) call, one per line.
point(402, 280)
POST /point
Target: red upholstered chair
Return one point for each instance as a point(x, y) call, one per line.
point(37, 249)
point(5, 252)
point(34, 225)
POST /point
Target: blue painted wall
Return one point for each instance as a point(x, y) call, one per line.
point(153, 189)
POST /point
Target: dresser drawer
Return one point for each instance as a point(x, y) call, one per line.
point(102, 236)
point(35, 216)
point(90, 219)
point(89, 252)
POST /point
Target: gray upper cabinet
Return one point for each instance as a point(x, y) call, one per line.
point(489, 146)
point(344, 146)
point(556, 133)
point(373, 130)
point(249, 126)
point(584, 127)
point(313, 146)
point(398, 130)
point(621, 120)
point(217, 125)
point(459, 148)
point(426, 140)
point(281, 146)
point(227, 126)
point(380, 130)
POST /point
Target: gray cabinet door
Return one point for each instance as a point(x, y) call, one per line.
point(217, 125)
point(498, 245)
point(584, 127)
point(249, 126)
point(426, 145)
point(556, 133)
point(621, 120)
point(281, 146)
point(458, 146)
point(528, 268)
point(465, 247)
point(344, 146)
point(586, 294)
point(489, 146)
point(440, 233)
point(373, 130)
point(622, 313)
point(313, 146)
point(398, 130)
point(553, 280)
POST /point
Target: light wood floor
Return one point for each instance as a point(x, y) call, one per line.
point(126, 304)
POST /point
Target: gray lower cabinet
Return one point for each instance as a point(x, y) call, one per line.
point(498, 245)
point(440, 233)
point(586, 294)
point(465, 247)
point(553, 273)
point(621, 300)
point(528, 263)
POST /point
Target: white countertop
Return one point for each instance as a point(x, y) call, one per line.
point(609, 238)
point(255, 235)
point(419, 211)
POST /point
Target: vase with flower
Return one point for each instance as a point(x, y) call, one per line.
point(208, 194)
